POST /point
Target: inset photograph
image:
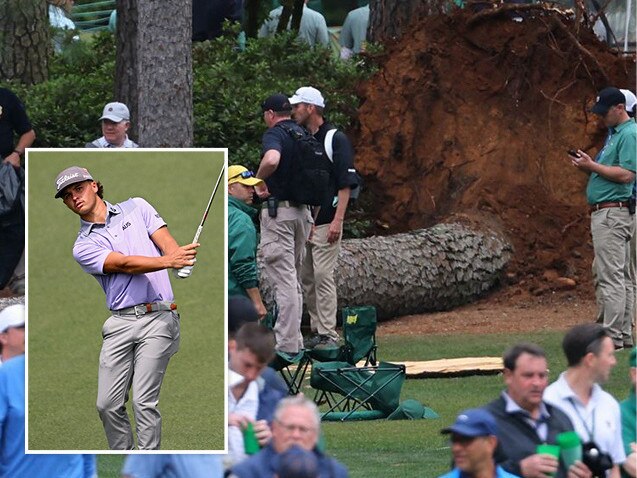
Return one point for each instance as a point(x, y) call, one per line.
point(125, 300)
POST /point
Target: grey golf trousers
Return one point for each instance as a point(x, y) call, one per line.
point(135, 352)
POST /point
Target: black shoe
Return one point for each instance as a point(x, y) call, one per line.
point(312, 341)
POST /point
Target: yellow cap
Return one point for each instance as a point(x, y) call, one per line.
point(240, 174)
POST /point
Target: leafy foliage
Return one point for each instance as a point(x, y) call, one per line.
point(229, 86)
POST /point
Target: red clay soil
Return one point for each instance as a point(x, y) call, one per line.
point(476, 120)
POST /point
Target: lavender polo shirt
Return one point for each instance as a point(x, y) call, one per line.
point(128, 228)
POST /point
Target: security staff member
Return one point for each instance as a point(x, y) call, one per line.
point(127, 248)
point(285, 225)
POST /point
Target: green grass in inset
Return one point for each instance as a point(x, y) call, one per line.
point(67, 307)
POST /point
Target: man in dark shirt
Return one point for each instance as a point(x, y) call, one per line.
point(285, 224)
point(324, 245)
point(526, 421)
point(13, 121)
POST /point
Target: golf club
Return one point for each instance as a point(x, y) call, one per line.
point(185, 271)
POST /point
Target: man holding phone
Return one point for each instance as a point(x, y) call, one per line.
point(611, 178)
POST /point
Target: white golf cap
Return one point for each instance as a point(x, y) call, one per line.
point(631, 100)
point(117, 112)
point(12, 316)
point(309, 95)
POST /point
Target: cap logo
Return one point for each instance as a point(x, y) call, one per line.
point(463, 418)
point(110, 109)
point(66, 177)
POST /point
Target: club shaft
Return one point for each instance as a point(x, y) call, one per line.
point(205, 214)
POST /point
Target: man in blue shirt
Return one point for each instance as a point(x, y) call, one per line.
point(13, 461)
point(172, 466)
point(473, 443)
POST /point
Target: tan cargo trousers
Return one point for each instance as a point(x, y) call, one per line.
point(135, 351)
point(612, 230)
point(283, 241)
point(318, 282)
point(628, 325)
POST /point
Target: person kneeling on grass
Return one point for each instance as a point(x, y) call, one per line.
point(473, 443)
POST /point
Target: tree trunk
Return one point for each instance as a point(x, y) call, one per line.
point(420, 271)
point(154, 70)
point(24, 40)
point(388, 19)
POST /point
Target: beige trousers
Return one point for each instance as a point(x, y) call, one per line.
point(135, 352)
point(283, 241)
point(612, 230)
point(318, 282)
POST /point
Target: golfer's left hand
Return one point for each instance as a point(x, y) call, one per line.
point(335, 230)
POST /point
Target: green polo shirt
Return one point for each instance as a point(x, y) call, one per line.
point(620, 150)
point(629, 432)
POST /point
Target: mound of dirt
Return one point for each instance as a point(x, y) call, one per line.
point(476, 119)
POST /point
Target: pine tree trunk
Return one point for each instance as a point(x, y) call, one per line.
point(154, 70)
point(388, 19)
point(24, 40)
point(420, 271)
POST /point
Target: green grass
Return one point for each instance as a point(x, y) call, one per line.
point(405, 449)
point(67, 308)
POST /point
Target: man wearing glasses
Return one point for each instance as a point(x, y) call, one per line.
point(242, 237)
point(296, 422)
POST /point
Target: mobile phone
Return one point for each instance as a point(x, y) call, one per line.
point(572, 152)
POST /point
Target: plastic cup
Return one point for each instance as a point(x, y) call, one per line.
point(571, 446)
point(546, 449)
point(250, 442)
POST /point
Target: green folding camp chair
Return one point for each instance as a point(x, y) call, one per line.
point(291, 367)
point(357, 393)
point(359, 332)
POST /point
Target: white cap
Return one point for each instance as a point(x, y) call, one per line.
point(117, 112)
point(631, 100)
point(309, 95)
point(12, 316)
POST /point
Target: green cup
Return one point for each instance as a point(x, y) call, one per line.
point(571, 446)
point(250, 442)
point(546, 449)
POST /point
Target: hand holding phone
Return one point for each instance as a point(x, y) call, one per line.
point(572, 152)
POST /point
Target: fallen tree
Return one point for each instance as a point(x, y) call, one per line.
point(424, 270)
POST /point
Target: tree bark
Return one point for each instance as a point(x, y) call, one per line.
point(388, 19)
point(24, 40)
point(421, 271)
point(154, 70)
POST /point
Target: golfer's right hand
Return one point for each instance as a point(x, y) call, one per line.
point(183, 256)
point(262, 190)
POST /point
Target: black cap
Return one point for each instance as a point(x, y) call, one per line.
point(277, 102)
point(608, 98)
point(240, 311)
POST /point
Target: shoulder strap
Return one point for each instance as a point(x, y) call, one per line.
point(329, 147)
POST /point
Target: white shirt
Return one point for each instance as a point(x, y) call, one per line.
point(102, 143)
point(601, 417)
point(58, 19)
point(247, 405)
point(540, 425)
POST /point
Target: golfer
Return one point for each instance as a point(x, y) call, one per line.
point(127, 248)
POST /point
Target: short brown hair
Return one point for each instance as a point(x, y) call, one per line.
point(257, 339)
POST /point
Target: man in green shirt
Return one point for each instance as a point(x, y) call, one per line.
point(609, 189)
point(242, 237)
point(629, 431)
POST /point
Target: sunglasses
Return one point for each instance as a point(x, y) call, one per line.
point(243, 175)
